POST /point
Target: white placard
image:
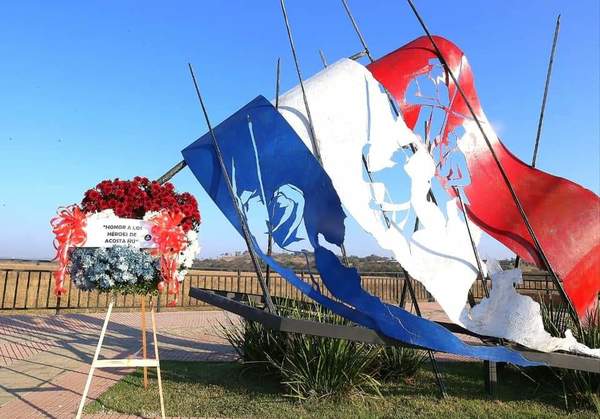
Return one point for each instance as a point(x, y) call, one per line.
point(107, 230)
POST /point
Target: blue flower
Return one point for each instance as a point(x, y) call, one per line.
point(118, 268)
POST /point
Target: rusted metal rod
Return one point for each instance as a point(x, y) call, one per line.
point(313, 136)
point(541, 119)
point(473, 245)
point(357, 30)
point(270, 234)
point(240, 214)
point(172, 172)
point(311, 127)
point(323, 59)
point(548, 76)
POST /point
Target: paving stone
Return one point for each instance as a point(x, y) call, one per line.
point(44, 360)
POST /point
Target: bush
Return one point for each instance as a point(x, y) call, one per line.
point(397, 362)
point(582, 387)
point(316, 367)
point(254, 344)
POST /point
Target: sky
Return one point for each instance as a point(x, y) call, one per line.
point(100, 89)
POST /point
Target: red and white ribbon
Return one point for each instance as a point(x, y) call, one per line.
point(69, 228)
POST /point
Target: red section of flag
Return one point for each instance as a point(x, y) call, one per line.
point(564, 215)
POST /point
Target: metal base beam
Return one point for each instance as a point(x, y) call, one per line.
point(361, 334)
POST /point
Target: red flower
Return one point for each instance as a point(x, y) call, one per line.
point(133, 199)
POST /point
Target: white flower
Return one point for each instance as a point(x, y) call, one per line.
point(186, 258)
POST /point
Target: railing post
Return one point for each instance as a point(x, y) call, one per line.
point(491, 379)
point(57, 311)
point(187, 278)
point(4, 290)
point(397, 287)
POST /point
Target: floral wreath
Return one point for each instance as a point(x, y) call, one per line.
point(168, 223)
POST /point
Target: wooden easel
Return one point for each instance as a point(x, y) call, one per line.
point(127, 362)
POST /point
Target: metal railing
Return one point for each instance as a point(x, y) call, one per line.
point(31, 289)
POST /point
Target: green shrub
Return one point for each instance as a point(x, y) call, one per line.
point(585, 386)
point(581, 387)
point(555, 317)
point(254, 344)
point(396, 362)
point(317, 367)
point(590, 332)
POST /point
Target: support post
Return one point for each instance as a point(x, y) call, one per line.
point(357, 30)
point(548, 75)
point(311, 132)
point(270, 234)
point(323, 59)
point(122, 363)
point(404, 289)
point(144, 347)
point(95, 359)
point(473, 245)
point(172, 172)
point(156, 357)
point(58, 300)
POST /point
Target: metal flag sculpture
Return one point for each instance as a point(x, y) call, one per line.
point(356, 126)
point(563, 214)
point(277, 181)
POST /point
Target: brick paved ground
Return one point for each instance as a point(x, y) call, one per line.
point(44, 360)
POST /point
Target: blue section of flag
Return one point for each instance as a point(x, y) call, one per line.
point(272, 170)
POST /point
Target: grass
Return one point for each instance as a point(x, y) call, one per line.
point(229, 390)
